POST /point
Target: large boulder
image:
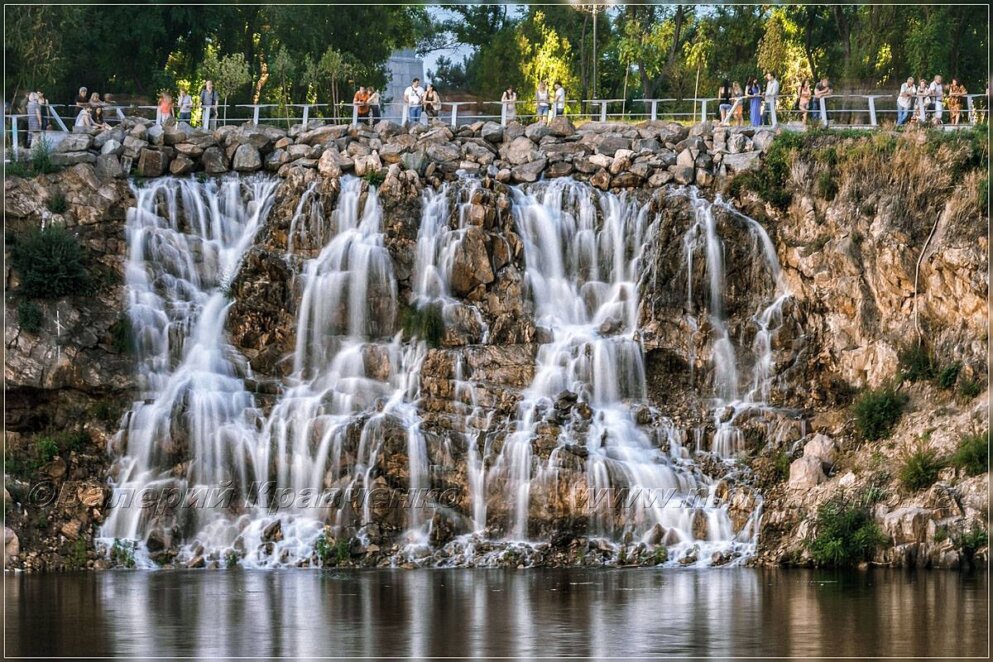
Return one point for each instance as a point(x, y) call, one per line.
point(181, 165)
point(443, 152)
point(561, 127)
point(741, 161)
point(491, 132)
point(247, 158)
point(806, 472)
point(214, 161)
point(521, 150)
point(108, 166)
point(75, 142)
point(823, 448)
point(471, 265)
point(323, 134)
point(152, 163)
point(528, 172)
point(67, 159)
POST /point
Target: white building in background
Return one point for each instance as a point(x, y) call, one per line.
point(402, 67)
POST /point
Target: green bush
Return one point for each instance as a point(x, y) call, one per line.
point(878, 411)
point(375, 177)
point(970, 388)
point(973, 453)
point(827, 187)
point(771, 181)
point(426, 323)
point(122, 553)
point(50, 263)
point(122, 336)
point(57, 204)
point(949, 375)
point(48, 449)
point(919, 468)
point(917, 363)
point(972, 541)
point(41, 158)
point(29, 316)
point(845, 534)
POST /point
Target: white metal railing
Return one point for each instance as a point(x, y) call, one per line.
point(825, 111)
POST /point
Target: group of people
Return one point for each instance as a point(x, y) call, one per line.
point(91, 109)
point(181, 108)
point(915, 101)
point(429, 101)
point(762, 103)
point(545, 101)
point(368, 103)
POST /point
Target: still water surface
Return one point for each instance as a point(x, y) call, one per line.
point(602, 612)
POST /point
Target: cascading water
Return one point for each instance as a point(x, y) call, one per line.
point(186, 241)
point(351, 403)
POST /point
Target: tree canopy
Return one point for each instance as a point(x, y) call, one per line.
point(320, 52)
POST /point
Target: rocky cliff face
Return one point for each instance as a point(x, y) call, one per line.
point(815, 301)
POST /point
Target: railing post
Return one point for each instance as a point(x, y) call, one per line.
point(58, 119)
point(655, 109)
point(306, 114)
point(13, 134)
point(822, 107)
point(872, 111)
point(255, 115)
point(455, 114)
point(503, 114)
point(772, 112)
point(158, 115)
point(404, 115)
point(970, 109)
point(355, 114)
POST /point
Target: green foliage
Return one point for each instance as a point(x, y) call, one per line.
point(122, 553)
point(323, 549)
point(970, 388)
point(47, 448)
point(845, 534)
point(771, 181)
point(122, 335)
point(107, 411)
point(917, 363)
point(919, 468)
point(57, 204)
point(949, 375)
point(29, 316)
point(983, 195)
point(973, 453)
point(827, 187)
point(782, 465)
point(231, 559)
point(342, 553)
point(877, 411)
point(50, 263)
point(77, 560)
point(972, 541)
point(661, 555)
point(375, 177)
point(426, 323)
point(38, 162)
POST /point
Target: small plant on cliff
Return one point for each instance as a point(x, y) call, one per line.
point(29, 316)
point(375, 177)
point(827, 187)
point(949, 375)
point(342, 552)
point(122, 553)
point(77, 561)
point(57, 204)
point(48, 448)
point(877, 411)
point(41, 158)
point(50, 263)
point(121, 335)
point(970, 388)
point(424, 322)
point(973, 453)
point(323, 549)
point(845, 534)
point(919, 468)
point(972, 541)
point(917, 363)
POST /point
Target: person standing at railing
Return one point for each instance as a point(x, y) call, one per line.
point(509, 101)
point(375, 105)
point(905, 101)
point(937, 93)
point(923, 101)
point(542, 101)
point(724, 95)
point(738, 100)
point(185, 104)
point(803, 99)
point(34, 119)
point(209, 100)
point(754, 92)
point(559, 99)
point(82, 99)
point(771, 96)
point(361, 101)
point(165, 107)
point(821, 92)
point(412, 98)
point(432, 102)
point(956, 92)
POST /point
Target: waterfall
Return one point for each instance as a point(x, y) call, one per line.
point(350, 411)
point(186, 240)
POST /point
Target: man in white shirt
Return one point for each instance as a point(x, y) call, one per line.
point(412, 97)
point(936, 91)
point(559, 99)
point(771, 95)
point(905, 101)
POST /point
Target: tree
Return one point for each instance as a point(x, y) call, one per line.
point(545, 56)
point(229, 74)
point(325, 75)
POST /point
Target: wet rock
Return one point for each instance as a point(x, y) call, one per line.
point(471, 263)
point(521, 150)
point(214, 161)
point(246, 158)
point(528, 172)
point(152, 163)
point(182, 165)
point(273, 532)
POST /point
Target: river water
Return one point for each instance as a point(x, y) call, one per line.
point(575, 612)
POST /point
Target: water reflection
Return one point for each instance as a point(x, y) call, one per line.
point(497, 612)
